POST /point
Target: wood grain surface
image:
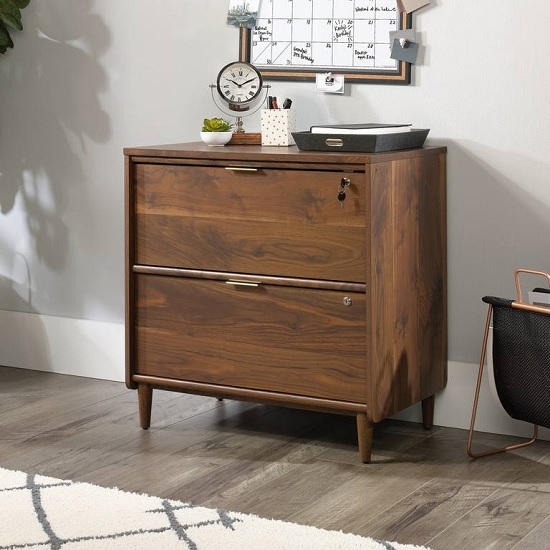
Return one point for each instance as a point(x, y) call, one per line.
point(421, 487)
point(273, 215)
point(272, 222)
point(267, 337)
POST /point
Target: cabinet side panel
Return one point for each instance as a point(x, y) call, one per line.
point(407, 178)
point(129, 239)
point(380, 296)
point(433, 276)
point(408, 283)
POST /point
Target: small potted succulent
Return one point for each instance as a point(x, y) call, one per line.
point(216, 131)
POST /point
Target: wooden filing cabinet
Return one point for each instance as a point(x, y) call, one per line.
point(247, 278)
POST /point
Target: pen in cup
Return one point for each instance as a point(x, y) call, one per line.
point(273, 103)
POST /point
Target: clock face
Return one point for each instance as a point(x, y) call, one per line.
point(239, 84)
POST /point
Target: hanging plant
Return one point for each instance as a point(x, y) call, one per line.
point(10, 17)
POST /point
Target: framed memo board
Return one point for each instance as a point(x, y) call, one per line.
point(296, 39)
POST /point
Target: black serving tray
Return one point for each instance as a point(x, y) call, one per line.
point(360, 143)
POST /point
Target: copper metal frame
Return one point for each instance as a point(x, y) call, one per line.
point(519, 304)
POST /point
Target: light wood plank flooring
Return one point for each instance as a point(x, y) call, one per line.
point(292, 465)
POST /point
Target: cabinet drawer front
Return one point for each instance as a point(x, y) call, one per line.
point(274, 222)
point(299, 341)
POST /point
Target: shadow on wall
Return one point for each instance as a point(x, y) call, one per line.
point(17, 286)
point(31, 351)
point(498, 220)
point(49, 110)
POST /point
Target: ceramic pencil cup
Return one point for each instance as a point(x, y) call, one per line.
point(277, 126)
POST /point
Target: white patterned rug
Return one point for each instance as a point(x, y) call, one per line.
point(43, 513)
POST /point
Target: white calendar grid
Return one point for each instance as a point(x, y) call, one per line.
point(345, 34)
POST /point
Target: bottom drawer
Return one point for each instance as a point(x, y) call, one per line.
point(301, 341)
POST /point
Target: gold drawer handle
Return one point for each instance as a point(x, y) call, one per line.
point(334, 142)
point(242, 283)
point(241, 169)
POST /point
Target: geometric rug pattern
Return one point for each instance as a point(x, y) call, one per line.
point(44, 513)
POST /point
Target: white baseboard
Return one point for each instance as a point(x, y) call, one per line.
point(80, 347)
point(453, 406)
point(95, 349)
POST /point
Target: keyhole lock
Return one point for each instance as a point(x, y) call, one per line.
point(347, 301)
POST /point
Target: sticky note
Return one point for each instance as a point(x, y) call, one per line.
point(407, 53)
point(409, 34)
point(411, 5)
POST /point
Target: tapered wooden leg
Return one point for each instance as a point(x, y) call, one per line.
point(145, 400)
point(428, 405)
point(364, 436)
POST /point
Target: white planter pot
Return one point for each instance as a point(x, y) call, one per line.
point(216, 138)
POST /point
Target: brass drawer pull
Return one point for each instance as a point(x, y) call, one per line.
point(241, 169)
point(242, 283)
point(334, 142)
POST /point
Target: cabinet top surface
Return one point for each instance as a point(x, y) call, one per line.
point(199, 150)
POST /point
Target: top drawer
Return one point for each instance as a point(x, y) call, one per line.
point(264, 221)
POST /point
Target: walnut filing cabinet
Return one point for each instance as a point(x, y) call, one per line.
point(246, 278)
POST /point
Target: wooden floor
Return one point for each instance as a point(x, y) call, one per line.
point(292, 465)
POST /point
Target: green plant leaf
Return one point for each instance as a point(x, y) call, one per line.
point(216, 125)
point(5, 39)
point(10, 14)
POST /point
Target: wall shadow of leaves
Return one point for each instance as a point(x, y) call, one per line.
point(49, 111)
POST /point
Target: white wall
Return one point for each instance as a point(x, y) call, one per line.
point(89, 77)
